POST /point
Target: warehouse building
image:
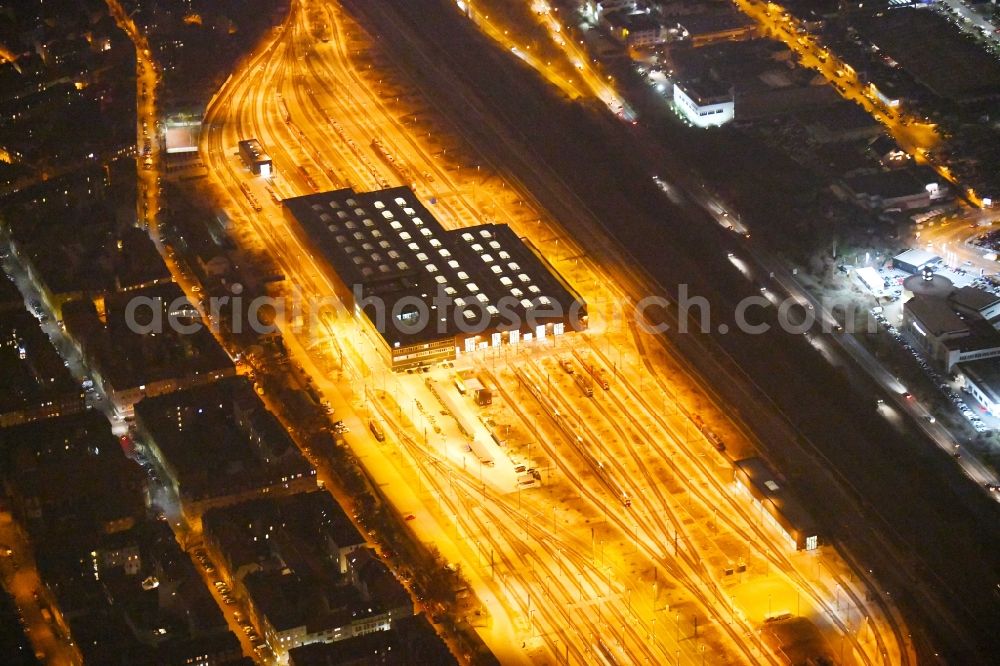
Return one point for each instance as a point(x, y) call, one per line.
point(429, 293)
point(915, 261)
point(255, 158)
point(705, 103)
point(777, 507)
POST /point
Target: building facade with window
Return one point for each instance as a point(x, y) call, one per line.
point(428, 293)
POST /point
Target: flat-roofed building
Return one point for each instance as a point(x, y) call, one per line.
point(431, 293)
point(914, 261)
point(255, 158)
point(705, 103)
point(946, 336)
point(635, 29)
point(977, 302)
point(725, 25)
point(778, 507)
point(981, 379)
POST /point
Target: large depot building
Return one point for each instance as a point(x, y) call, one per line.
point(429, 293)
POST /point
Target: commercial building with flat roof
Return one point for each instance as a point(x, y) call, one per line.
point(947, 335)
point(977, 302)
point(780, 508)
point(704, 102)
point(982, 380)
point(635, 28)
point(255, 158)
point(910, 188)
point(725, 25)
point(431, 293)
point(914, 261)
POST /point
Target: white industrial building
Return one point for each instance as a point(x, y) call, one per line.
point(981, 379)
point(704, 104)
point(870, 279)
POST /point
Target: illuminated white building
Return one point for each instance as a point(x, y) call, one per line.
point(704, 104)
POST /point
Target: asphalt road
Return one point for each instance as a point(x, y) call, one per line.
point(881, 491)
